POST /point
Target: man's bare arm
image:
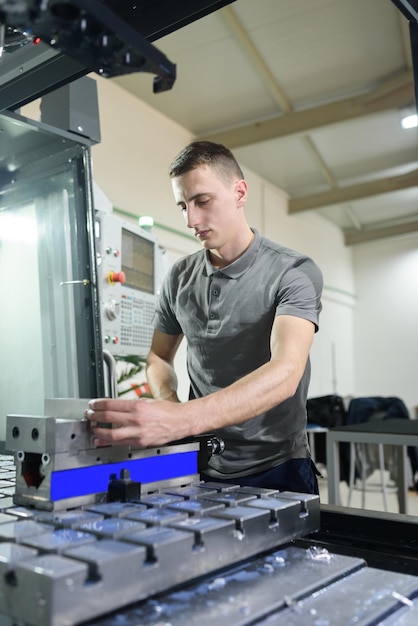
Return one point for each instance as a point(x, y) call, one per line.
point(154, 422)
point(267, 386)
point(161, 376)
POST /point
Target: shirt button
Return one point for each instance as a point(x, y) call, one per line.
point(215, 292)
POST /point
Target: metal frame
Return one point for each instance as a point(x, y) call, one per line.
point(402, 433)
point(33, 71)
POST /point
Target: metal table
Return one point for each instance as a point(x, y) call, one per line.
point(395, 432)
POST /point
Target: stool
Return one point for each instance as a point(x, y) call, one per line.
point(357, 451)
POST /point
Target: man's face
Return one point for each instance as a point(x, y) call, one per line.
point(211, 205)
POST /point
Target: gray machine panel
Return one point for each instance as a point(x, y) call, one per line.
point(127, 270)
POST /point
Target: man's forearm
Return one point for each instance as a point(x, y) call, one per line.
point(162, 380)
point(261, 390)
point(254, 394)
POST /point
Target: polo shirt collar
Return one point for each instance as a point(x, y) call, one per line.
point(238, 267)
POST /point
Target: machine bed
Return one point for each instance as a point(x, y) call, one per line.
point(196, 554)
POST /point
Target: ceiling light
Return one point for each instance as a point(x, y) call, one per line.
point(409, 121)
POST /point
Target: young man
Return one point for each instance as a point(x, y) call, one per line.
point(249, 309)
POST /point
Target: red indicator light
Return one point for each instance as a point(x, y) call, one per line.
point(36, 41)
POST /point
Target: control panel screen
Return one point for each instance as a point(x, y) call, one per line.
point(138, 261)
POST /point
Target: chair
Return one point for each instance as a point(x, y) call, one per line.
point(358, 457)
point(363, 410)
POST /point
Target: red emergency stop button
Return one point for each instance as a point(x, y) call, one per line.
point(116, 277)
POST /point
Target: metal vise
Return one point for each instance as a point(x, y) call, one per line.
point(57, 467)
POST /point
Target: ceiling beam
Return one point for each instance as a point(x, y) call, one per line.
point(276, 90)
point(396, 93)
point(241, 35)
point(363, 236)
point(353, 192)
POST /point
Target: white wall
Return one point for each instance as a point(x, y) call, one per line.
point(386, 319)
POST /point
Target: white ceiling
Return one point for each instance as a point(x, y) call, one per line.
point(308, 94)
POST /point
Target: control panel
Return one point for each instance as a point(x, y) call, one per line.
point(127, 258)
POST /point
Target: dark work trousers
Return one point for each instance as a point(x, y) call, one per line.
point(294, 475)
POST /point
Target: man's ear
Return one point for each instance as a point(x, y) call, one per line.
point(241, 190)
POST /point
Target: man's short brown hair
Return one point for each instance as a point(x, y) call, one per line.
point(208, 153)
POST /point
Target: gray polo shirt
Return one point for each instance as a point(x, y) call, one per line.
point(226, 316)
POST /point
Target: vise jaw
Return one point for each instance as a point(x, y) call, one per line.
point(57, 466)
